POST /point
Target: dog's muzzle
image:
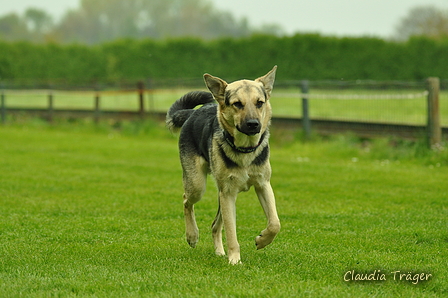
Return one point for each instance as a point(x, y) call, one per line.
point(250, 127)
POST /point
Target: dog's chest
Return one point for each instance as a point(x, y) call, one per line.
point(239, 171)
point(242, 179)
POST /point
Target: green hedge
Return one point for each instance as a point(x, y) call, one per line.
point(309, 56)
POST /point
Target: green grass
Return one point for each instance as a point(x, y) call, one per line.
point(97, 212)
point(404, 111)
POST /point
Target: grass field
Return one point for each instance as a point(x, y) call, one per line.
point(97, 212)
point(402, 111)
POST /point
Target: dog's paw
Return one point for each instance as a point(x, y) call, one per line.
point(192, 243)
point(234, 257)
point(235, 261)
point(193, 239)
point(220, 253)
point(262, 241)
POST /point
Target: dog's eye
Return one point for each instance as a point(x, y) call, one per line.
point(259, 104)
point(238, 105)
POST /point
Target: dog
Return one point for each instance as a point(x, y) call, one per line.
point(227, 137)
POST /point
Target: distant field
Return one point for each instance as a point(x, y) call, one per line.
point(286, 103)
point(91, 211)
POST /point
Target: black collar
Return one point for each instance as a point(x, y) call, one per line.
point(229, 139)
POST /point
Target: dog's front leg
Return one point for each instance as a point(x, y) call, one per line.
point(266, 196)
point(228, 211)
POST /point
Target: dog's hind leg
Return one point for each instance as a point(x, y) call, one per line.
point(217, 233)
point(191, 228)
point(194, 179)
point(266, 196)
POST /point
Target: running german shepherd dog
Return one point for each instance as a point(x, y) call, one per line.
point(229, 139)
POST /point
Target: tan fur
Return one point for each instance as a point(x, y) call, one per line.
point(241, 105)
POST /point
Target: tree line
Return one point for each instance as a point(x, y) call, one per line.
point(97, 21)
point(302, 56)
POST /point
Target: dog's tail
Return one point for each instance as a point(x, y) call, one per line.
point(182, 108)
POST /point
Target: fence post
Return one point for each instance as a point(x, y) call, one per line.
point(434, 131)
point(50, 106)
point(306, 123)
point(141, 96)
point(97, 107)
point(3, 107)
point(150, 96)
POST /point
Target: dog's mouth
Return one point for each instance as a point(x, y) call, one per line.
point(248, 132)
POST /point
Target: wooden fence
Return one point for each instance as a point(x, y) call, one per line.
point(432, 131)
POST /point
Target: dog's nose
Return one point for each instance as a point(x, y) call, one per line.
point(253, 124)
point(251, 127)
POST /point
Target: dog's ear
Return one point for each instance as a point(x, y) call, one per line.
point(268, 80)
point(216, 86)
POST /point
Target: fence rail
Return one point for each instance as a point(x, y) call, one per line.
point(354, 96)
point(143, 104)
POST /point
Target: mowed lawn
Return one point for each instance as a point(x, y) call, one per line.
point(97, 212)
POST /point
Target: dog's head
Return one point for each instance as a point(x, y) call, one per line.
point(243, 106)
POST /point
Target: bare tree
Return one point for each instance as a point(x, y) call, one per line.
point(38, 20)
point(39, 24)
point(423, 21)
point(12, 27)
point(97, 21)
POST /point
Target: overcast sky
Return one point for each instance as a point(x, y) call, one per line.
point(328, 17)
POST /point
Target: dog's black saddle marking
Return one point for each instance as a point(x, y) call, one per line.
point(262, 157)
